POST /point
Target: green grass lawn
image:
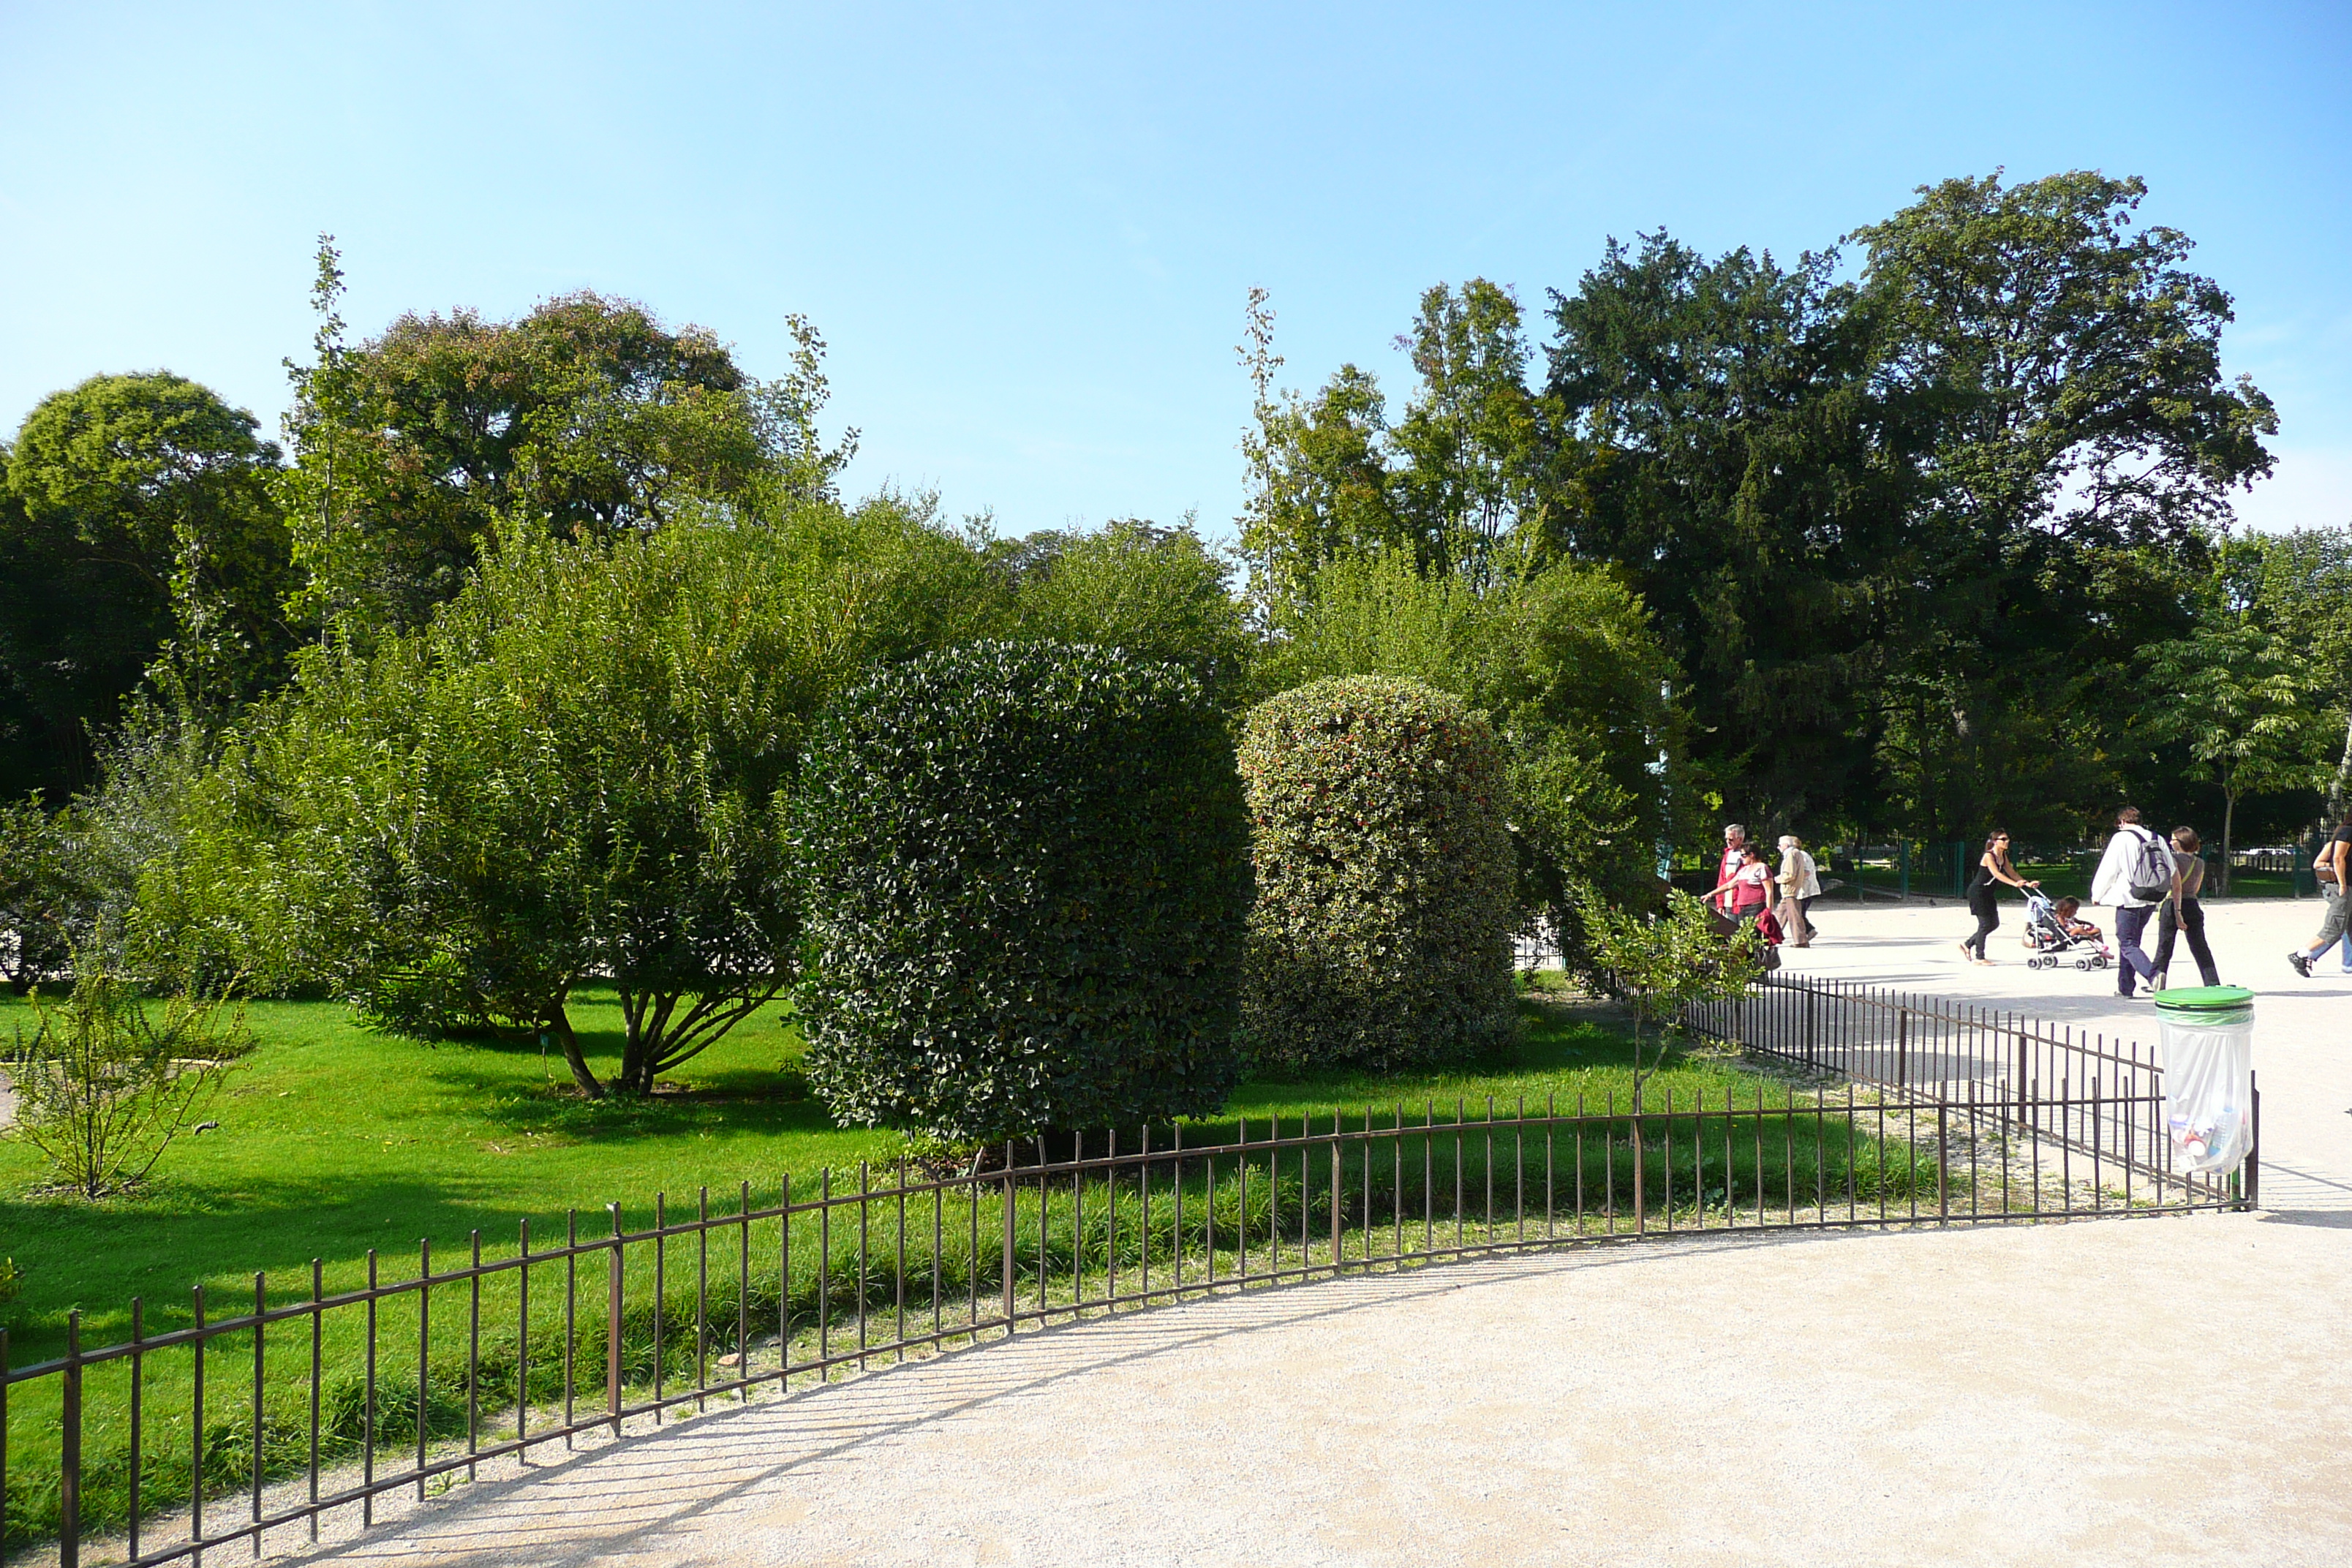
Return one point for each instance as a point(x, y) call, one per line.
point(333, 1140)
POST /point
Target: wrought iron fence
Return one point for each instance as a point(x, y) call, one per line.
point(2083, 1089)
point(203, 1430)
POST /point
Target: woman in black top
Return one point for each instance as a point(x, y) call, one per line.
point(1992, 867)
point(2182, 913)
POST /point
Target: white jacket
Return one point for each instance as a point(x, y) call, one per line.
point(2112, 886)
point(1799, 878)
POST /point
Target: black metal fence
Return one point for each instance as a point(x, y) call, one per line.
point(204, 1430)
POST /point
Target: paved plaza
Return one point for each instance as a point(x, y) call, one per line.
point(2142, 1391)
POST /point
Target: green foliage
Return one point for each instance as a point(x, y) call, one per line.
point(579, 768)
point(12, 1280)
point(1024, 868)
point(139, 536)
point(46, 899)
point(1385, 878)
point(104, 1087)
point(1665, 963)
point(587, 416)
point(1563, 660)
point(2248, 704)
point(1154, 593)
point(1447, 484)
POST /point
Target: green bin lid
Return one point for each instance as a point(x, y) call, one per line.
point(2205, 998)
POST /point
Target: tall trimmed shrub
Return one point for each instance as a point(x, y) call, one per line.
point(1381, 932)
point(1024, 872)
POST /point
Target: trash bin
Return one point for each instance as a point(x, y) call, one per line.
point(2208, 1075)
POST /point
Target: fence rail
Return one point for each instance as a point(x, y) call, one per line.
point(213, 1430)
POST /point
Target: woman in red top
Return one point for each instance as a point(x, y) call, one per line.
point(1748, 887)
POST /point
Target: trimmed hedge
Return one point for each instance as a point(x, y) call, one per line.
point(1024, 873)
point(1386, 878)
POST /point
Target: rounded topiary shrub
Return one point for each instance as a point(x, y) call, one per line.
point(1025, 870)
point(1386, 878)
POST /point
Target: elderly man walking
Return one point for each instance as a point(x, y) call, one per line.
point(2135, 874)
point(1734, 855)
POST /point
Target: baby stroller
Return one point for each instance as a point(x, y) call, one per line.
point(2047, 935)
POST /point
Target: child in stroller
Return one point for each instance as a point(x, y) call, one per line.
point(2052, 927)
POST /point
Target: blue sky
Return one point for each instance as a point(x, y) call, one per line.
point(1027, 231)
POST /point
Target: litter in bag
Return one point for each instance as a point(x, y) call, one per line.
point(2209, 1088)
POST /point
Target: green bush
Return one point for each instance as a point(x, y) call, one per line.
point(1024, 872)
point(1381, 934)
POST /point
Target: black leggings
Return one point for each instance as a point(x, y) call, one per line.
point(1988, 921)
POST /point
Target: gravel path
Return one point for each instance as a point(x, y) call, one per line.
point(2142, 1391)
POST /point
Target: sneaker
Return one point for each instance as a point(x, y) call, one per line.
point(2302, 964)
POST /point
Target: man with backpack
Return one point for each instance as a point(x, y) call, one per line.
point(2135, 874)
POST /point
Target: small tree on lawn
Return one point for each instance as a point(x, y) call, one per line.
point(1667, 963)
point(105, 1081)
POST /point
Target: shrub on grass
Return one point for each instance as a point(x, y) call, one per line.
point(1381, 933)
point(104, 1084)
point(1025, 870)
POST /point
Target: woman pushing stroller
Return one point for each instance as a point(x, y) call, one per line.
point(1993, 867)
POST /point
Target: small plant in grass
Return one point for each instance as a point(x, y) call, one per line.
point(1665, 963)
point(105, 1082)
point(12, 1280)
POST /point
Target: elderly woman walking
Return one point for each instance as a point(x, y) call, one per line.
point(1799, 882)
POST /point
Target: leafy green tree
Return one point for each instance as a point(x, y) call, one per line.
point(2298, 586)
point(139, 537)
point(47, 907)
point(1473, 445)
point(1736, 466)
point(1906, 535)
point(2249, 705)
point(1157, 594)
point(1665, 963)
point(579, 769)
point(587, 416)
point(1563, 660)
point(2239, 699)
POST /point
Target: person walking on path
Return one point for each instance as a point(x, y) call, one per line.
point(1992, 869)
point(2333, 868)
point(1744, 893)
point(1734, 855)
point(2136, 874)
point(1800, 884)
point(2183, 914)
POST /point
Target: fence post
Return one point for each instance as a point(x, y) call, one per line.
point(70, 1460)
point(1010, 1191)
point(4, 1432)
point(1336, 1208)
point(1943, 1165)
point(1902, 1046)
point(2253, 1168)
point(613, 1326)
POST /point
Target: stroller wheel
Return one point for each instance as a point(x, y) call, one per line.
point(2082, 963)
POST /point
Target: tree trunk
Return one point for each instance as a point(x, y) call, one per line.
point(2228, 823)
point(559, 1024)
